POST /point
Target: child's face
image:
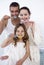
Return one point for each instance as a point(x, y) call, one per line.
point(24, 15)
point(20, 32)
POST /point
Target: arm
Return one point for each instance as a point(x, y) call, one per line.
point(32, 32)
point(37, 34)
point(1, 27)
point(6, 42)
point(3, 23)
point(27, 54)
point(4, 57)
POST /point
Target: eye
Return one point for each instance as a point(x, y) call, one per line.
point(25, 14)
point(21, 14)
point(12, 11)
point(22, 31)
point(16, 11)
point(17, 31)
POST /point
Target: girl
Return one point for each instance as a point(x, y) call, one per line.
point(19, 53)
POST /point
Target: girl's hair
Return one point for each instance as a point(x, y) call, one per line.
point(26, 8)
point(25, 38)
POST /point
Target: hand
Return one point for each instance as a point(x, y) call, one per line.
point(6, 17)
point(19, 62)
point(1, 58)
point(30, 58)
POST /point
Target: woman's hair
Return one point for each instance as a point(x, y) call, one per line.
point(25, 38)
point(26, 8)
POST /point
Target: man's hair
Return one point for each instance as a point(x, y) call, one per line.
point(14, 4)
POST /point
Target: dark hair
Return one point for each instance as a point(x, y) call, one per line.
point(26, 37)
point(15, 4)
point(26, 8)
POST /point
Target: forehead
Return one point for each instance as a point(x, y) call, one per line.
point(14, 8)
point(20, 28)
point(23, 11)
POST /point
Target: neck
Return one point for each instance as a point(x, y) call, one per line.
point(20, 40)
point(15, 21)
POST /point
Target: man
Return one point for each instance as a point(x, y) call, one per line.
point(5, 22)
point(7, 25)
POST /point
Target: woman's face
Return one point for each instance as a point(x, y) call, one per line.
point(20, 32)
point(24, 15)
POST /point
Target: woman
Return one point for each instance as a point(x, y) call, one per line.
point(33, 33)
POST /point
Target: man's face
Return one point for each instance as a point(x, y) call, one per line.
point(14, 11)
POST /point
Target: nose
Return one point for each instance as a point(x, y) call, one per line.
point(23, 16)
point(14, 13)
point(20, 33)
